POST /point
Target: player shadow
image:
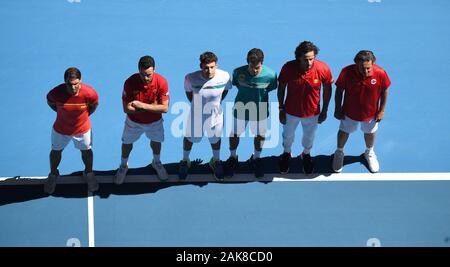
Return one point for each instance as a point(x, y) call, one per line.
point(16, 189)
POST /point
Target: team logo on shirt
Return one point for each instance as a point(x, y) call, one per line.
point(316, 81)
point(241, 77)
point(373, 81)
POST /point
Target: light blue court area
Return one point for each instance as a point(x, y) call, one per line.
point(279, 214)
point(45, 221)
point(105, 39)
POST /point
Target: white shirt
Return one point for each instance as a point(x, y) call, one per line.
point(206, 96)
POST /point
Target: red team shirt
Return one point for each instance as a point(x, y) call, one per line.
point(362, 95)
point(72, 117)
point(135, 89)
point(303, 87)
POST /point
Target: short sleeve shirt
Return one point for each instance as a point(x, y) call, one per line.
point(72, 111)
point(252, 99)
point(362, 95)
point(303, 87)
point(156, 91)
point(207, 95)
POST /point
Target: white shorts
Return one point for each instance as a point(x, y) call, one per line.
point(349, 126)
point(81, 141)
point(213, 135)
point(256, 127)
point(133, 130)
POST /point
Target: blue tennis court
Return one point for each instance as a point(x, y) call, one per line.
point(405, 204)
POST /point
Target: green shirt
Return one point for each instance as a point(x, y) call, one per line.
point(252, 99)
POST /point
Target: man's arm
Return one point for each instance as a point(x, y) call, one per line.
point(383, 100)
point(189, 96)
point(326, 96)
point(153, 108)
point(338, 104)
point(224, 94)
point(280, 94)
point(52, 105)
point(92, 108)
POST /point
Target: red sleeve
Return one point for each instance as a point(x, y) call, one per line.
point(127, 93)
point(284, 74)
point(163, 92)
point(340, 83)
point(51, 96)
point(327, 76)
point(93, 97)
point(386, 82)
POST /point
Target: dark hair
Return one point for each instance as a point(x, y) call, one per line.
point(72, 73)
point(364, 55)
point(208, 57)
point(146, 62)
point(305, 47)
point(255, 56)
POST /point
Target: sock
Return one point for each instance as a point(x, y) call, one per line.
point(123, 161)
point(186, 154)
point(233, 153)
point(369, 149)
point(216, 154)
point(340, 149)
point(306, 151)
point(256, 154)
point(156, 157)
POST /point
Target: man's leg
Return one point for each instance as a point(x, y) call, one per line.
point(346, 127)
point(369, 139)
point(309, 126)
point(156, 163)
point(369, 154)
point(288, 138)
point(234, 143)
point(215, 163)
point(88, 158)
point(185, 163)
point(342, 138)
point(55, 159)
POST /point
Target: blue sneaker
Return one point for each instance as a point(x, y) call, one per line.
point(184, 169)
point(216, 167)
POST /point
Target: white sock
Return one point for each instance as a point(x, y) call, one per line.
point(123, 161)
point(369, 149)
point(216, 154)
point(186, 154)
point(233, 153)
point(340, 149)
point(256, 154)
point(156, 157)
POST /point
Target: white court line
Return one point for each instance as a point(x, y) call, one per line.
point(275, 177)
point(91, 233)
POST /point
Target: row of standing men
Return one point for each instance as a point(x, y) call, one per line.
point(360, 99)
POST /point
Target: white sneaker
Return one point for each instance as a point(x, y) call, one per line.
point(91, 181)
point(160, 170)
point(50, 183)
point(120, 174)
point(338, 161)
point(372, 161)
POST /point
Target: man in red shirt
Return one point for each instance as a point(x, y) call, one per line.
point(366, 89)
point(145, 97)
point(73, 102)
point(303, 78)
